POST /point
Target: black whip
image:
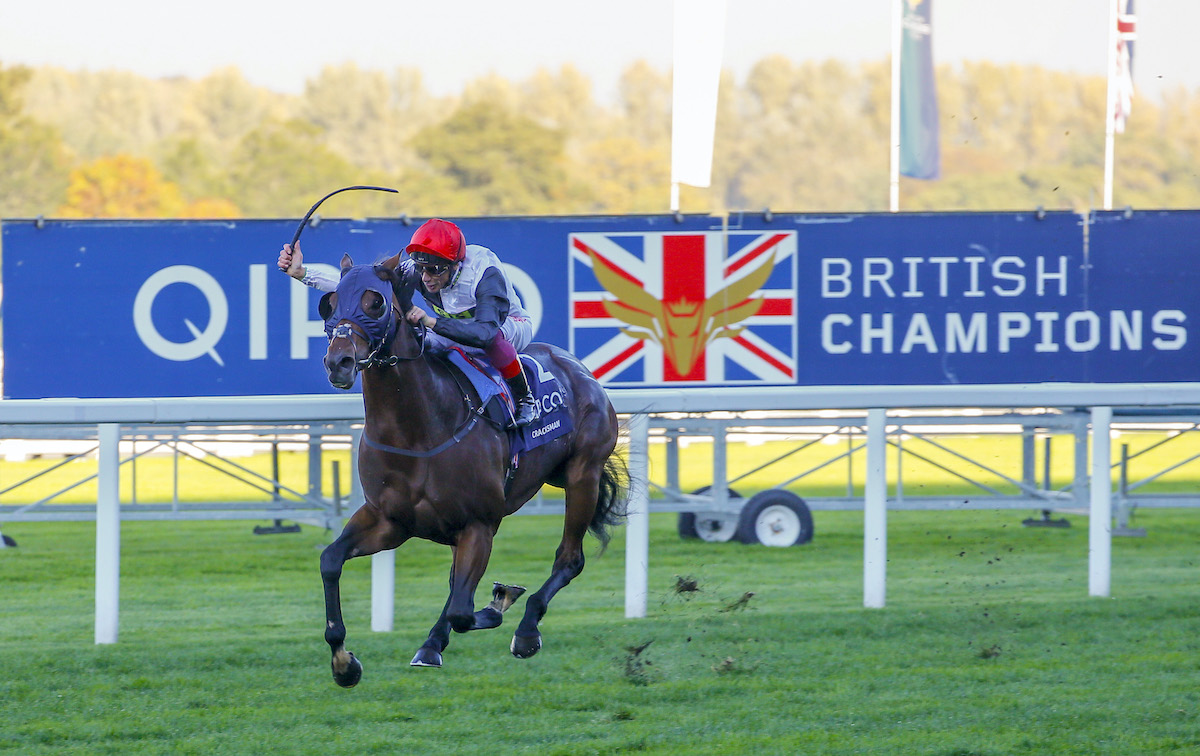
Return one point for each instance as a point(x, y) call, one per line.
point(313, 209)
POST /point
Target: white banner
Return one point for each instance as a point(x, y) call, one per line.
point(698, 47)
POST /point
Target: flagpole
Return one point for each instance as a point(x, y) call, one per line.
point(894, 175)
point(1109, 121)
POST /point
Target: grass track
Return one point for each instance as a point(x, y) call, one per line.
point(989, 645)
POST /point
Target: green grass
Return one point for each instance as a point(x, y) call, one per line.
point(989, 645)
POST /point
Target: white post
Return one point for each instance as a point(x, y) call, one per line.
point(383, 590)
point(875, 512)
point(1111, 104)
point(1100, 515)
point(108, 533)
point(637, 525)
point(357, 497)
point(894, 172)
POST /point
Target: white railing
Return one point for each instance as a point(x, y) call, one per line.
point(109, 414)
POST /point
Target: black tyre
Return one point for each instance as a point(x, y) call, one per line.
point(775, 518)
point(8, 541)
point(687, 525)
point(687, 520)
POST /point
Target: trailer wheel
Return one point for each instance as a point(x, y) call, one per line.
point(687, 520)
point(715, 528)
point(775, 518)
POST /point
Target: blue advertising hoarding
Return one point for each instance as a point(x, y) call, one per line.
point(197, 308)
point(1003, 298)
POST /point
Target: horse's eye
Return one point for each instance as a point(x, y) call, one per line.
point(327, 305)
point(373, 305)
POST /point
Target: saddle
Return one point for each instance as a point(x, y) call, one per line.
point(496, 401)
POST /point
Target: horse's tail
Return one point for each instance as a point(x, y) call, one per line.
point(612, 504)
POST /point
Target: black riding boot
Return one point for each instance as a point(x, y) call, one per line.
point(526, 408)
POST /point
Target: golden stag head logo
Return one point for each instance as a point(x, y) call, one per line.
point(683, 328)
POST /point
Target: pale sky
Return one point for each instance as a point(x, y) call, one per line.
point(281, 45)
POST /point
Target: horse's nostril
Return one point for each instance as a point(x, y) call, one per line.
point(340, 365)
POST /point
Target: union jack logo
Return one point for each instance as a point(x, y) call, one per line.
point(685, 308)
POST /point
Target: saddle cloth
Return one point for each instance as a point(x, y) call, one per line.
point(552, 420)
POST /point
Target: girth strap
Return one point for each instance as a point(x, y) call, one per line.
point(459, 435)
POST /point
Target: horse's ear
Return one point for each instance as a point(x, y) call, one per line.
point(386, 270)
point(347, 263)
point(325, 306)
point(403, 293)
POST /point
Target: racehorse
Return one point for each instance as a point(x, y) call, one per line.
point(433, 466)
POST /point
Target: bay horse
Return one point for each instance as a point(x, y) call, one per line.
point(433, 467)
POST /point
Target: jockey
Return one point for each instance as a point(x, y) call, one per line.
point(474, 303)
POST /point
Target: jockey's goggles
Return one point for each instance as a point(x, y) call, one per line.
point(432, 269)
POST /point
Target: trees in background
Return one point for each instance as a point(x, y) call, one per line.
point(34, 161)
point(801, 137)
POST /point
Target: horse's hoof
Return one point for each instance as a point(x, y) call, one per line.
point(503, 596)
point(351, 674)
point(524, 647)
point(426, 657)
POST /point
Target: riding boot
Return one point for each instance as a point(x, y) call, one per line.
point(525, 408)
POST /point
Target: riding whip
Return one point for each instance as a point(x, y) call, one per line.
point(313, 209)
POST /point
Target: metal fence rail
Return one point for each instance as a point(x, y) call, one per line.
point(910, 434)
point(1095, 401)
point(214, 448)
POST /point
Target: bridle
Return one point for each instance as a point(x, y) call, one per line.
point(380, 353)
point(344, 329)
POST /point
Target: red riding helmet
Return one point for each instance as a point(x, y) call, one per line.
point(438, 240)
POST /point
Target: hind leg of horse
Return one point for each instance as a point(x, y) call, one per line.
point(364, 534)
point(568, 563)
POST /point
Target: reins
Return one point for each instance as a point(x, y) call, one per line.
point(459, 435)
point(473, 412)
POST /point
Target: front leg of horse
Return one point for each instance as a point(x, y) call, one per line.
point(347, 669)
point(430, 652)
point(492, 615)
